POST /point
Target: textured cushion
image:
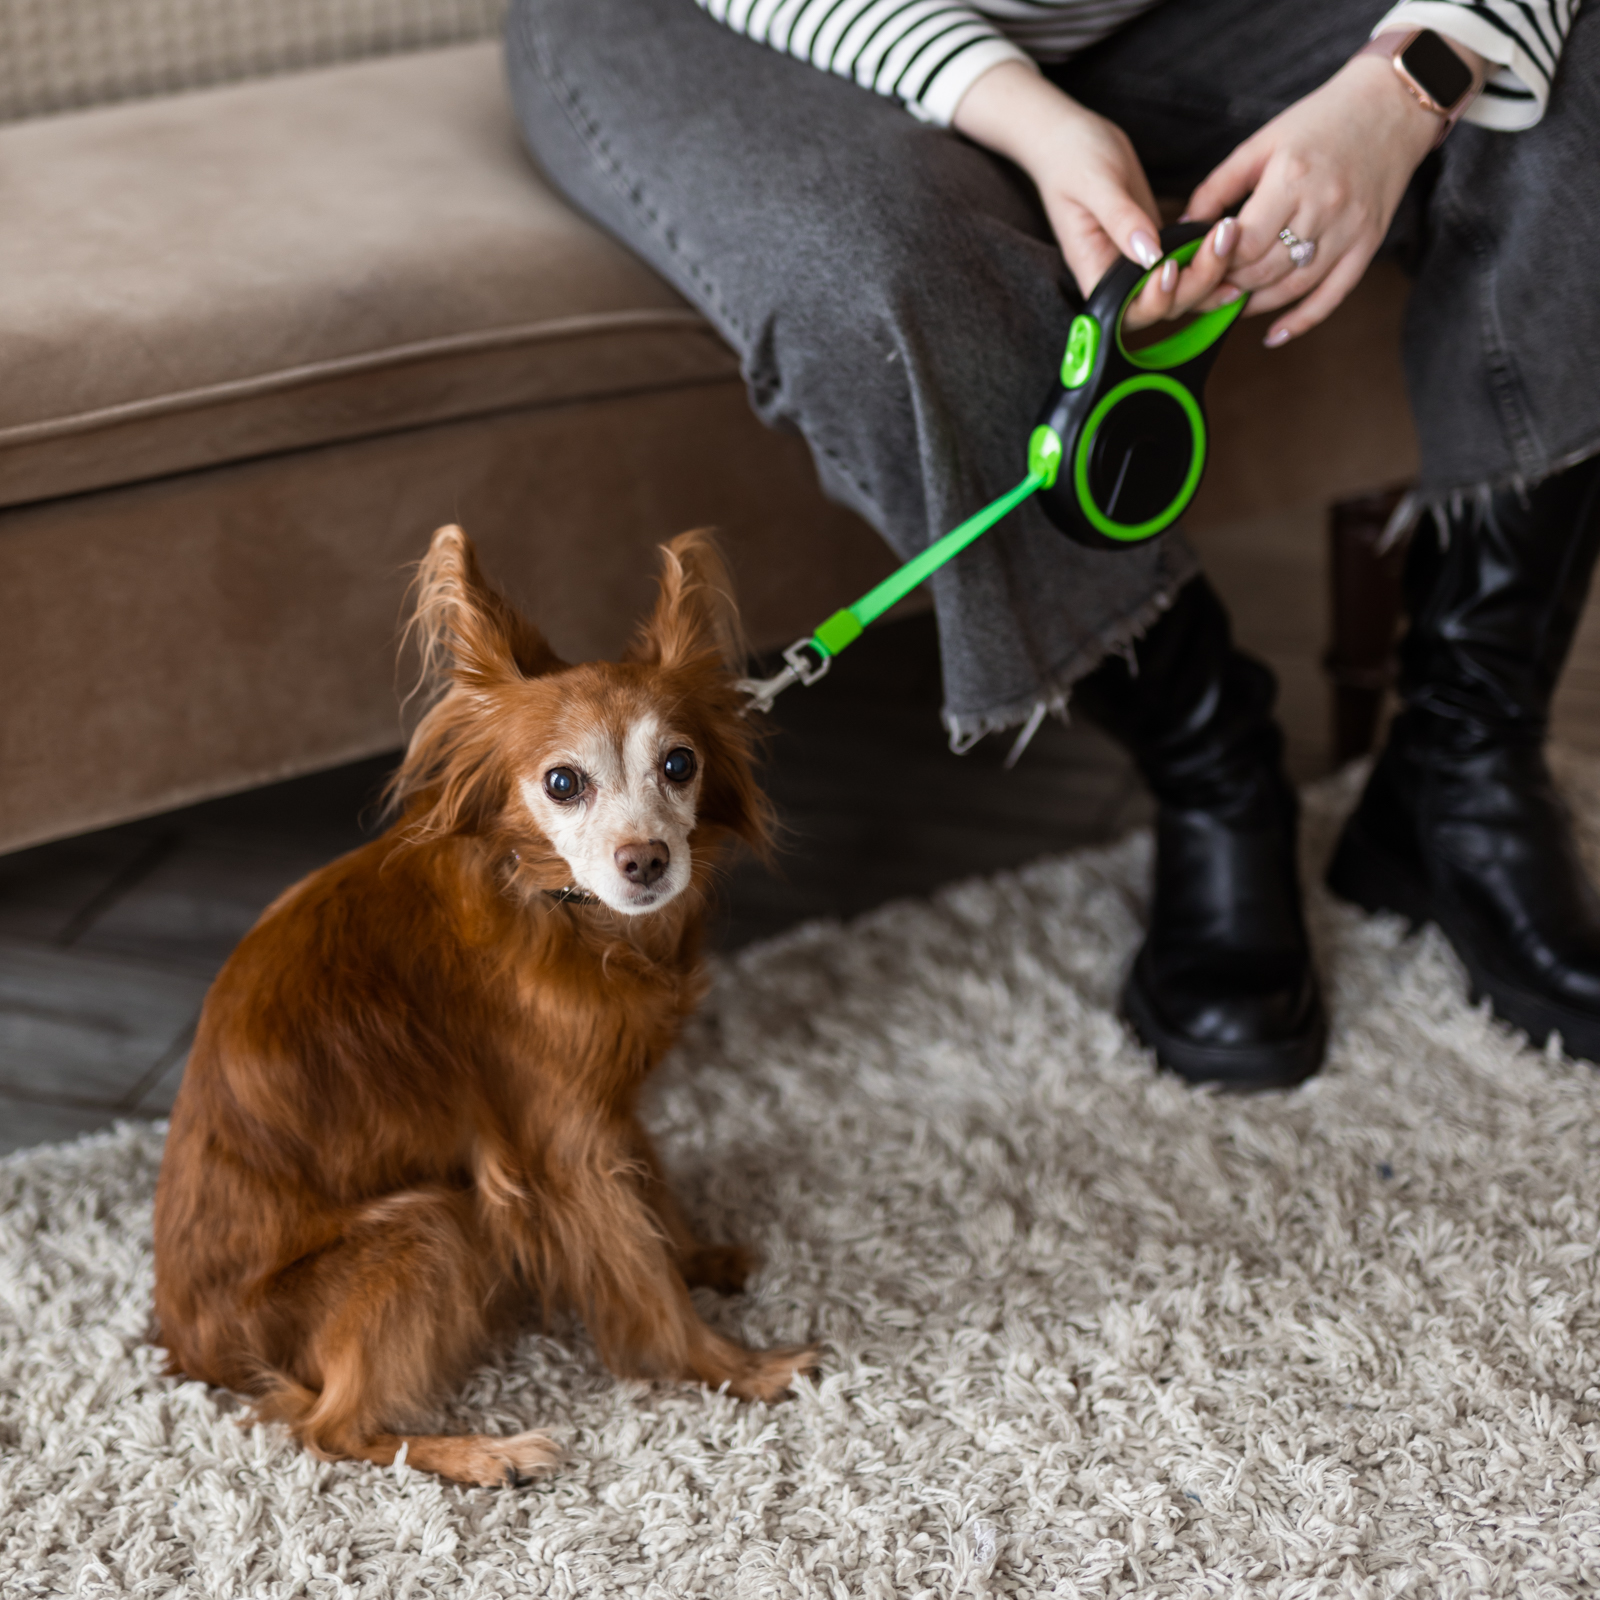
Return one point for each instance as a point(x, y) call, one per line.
point(57, 55)
point(238, 271)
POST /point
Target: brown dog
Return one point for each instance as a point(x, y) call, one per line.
point(411, 1098)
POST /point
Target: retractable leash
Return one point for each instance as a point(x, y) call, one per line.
point(1116, 457)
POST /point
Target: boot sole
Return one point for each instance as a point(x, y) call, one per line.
point(1280, 1065)
point(1376, 879)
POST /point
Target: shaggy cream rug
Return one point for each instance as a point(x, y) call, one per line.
point(1089, 1332)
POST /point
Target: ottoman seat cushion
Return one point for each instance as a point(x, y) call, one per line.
point(235, 272)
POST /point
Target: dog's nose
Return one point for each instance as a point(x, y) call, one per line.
point(643, 861)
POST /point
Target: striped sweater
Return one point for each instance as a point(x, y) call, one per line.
point(927, 53)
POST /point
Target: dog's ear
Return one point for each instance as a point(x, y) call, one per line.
point(465, 629)
point(695, 614)
point(470, 640)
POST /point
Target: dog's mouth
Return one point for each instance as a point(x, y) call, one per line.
point(637, 902)
point(632, 900)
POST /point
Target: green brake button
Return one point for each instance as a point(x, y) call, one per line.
point(1083, 342)
point(1044, 455)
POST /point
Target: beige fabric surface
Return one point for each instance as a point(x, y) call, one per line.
point(56, 55)
point(215, 276)
point(223, 628)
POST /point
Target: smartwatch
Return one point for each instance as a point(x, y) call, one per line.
point(1431, 71)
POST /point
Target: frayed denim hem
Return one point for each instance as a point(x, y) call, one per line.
point(1443, 504)
point(1052, 699)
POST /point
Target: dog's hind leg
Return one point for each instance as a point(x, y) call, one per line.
point(405, 1299)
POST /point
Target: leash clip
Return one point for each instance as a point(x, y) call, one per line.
point(807, 662)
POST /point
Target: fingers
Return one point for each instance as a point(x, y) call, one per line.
point(1262, 264)
point(1322, 300)
point(1331, 169)
point(1343, 252)
point(1284, 194)
point(1094, 231)
point(1110, 211)
point(1261, 258)
point(1175, 292)
point(1084, 243)
point(1100, 204)
point(1133, 227)
point(1155, 300)
point(1119, 205)
point(1285, 282)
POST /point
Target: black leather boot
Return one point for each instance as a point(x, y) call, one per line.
point(1223, 989)
point(1460, 823)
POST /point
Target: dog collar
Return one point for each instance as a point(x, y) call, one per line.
point(568, 894)
point(571, 896)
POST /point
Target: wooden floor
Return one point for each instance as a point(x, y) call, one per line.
point(107, 942)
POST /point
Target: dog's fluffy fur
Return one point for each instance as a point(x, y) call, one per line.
point(411, 1098)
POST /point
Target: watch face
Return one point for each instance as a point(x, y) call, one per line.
point(1436, 69)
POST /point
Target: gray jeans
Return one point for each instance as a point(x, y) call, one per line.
point(894, 293)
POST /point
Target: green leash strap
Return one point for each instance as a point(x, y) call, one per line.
point(845, 627)
point(809, 658)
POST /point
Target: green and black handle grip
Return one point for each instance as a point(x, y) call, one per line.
point(1124, 430)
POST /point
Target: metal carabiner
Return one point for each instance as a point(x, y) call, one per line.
point(807, 662)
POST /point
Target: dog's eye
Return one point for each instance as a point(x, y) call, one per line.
point(679, 765)
point(562, 783)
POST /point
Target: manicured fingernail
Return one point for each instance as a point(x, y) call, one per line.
point(1222, 241)
point(1145, 249)
point(1230, 294)
point(1169, 277)
point(1186, 218)
point(1276, 337)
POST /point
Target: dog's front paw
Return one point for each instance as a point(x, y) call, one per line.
point(723, 1267)
point(770, 1374)
point(507, 1461)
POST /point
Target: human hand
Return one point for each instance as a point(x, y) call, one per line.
point(1094, 190)
point(1331, 168)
